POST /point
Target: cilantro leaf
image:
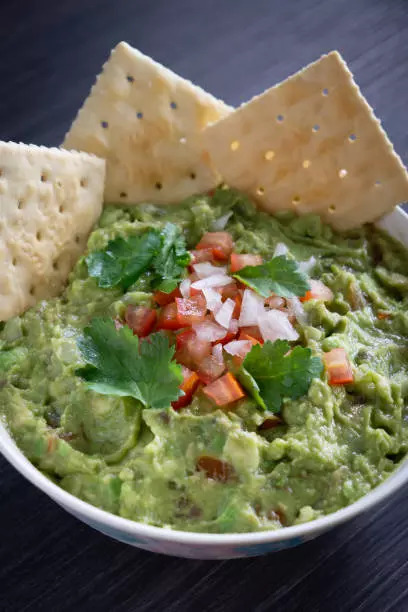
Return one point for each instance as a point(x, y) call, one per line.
point(270, 374)
point(118, 364)
point(280, 275)
point(124, 259)
point(173, 258)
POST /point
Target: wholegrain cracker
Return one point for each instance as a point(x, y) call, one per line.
point(49, 202)
point(311, 144)
point(147, 122)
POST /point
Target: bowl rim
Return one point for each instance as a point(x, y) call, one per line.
point(95, 515)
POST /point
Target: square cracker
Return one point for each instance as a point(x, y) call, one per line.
point(311, 144)
point(147, 122)
point(49, 201)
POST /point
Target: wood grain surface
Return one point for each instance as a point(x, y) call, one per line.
point(50, 53)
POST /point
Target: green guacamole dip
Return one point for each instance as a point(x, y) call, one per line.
point(334, 444)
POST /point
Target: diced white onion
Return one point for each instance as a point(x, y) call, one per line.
point(280, 249)
point(213, 299)
point(185, 287)
point(220, 223)
point(233, 326)
point(252, 307)
point(217, 353)
point(217, 280)
point(295, 307)
point(205, 269)
point(238, 347)
point(209, 331)
point(224, 315)
point(308, 265)
point(274, 325)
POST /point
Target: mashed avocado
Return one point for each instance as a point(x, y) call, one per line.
point(330, 447)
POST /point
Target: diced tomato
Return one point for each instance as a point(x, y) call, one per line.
point(194, 292)
point(162, 298)
point(230, 335)
point(338, 367)
point(168, 317)
point(201, 255)
point(189, 385)
point(224, 390)
point(252, 340)
point(238, 262)
point(210, 369)
point(140, 319)
point(191, 310)
point(220, 243)
point(190, 351)
point(274, 301)
point(215, 468)
point(383, 315)
point(253, 331)
point(237, 307)
point(317, 291)
point(229, 291)
point(271, 422)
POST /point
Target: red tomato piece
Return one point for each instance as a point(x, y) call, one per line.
point(229, 291)
point(224, 390)
point(189, 385)
point(210, 369)
point(215, 468)
point(317, 291)
point(168, 317)
point(162, 298)
point(140, 319)
point(383, 315)
point(237, 262)
point(338, 367)
point(231, 335)
point(253, 331)
point(220, 243)
point(191, 310)
point(243, 336)
point(201, 255)
point(190, 351)
point(274, 301)
point(237, 307)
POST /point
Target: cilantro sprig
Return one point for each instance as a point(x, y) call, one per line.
point(124, 260)
point(117, 363)
point(270, 373)
point(280, 275)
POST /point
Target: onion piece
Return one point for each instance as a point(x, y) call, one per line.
point(233, 326)
point(274, 325)
point(238, 347)
point(185, 287)
point(308, 265)
point(220, 223)
point(209, 331)
point(280, 249)
point(217, 353)
point(224, 315)
point(213, 299)
point(205, 269)
point(251, 309)
point(295, 308)
point(217, 280)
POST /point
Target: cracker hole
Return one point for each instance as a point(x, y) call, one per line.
point(296, 200)
point(192, 175)
point(58, 183)
point(342, 173)
point(1, 172)
point(316, 127)
point(83, 182)
point(158, 185)
point(234, 145)
point(77, 238)
point(377, 183)
point(279, 118)
point(38, 236)
point(332, 208)
point(260, 191)
point(20, 204)
point(61, 208)
point(325, 92)
point(130, 78)
point(44, 177)
point(14, 261)
point(269, 155)
point(173, 105)
point(32, 290)
point(55, 264)
point(104, 124)
point(306, 163)
point(139, 115)
point(352, 137)
point(123, 194)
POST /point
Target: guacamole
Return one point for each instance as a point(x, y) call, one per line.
point(318, 454)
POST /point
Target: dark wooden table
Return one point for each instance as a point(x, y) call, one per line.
point(50, 52)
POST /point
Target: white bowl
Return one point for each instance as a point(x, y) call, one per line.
point(201, 545)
